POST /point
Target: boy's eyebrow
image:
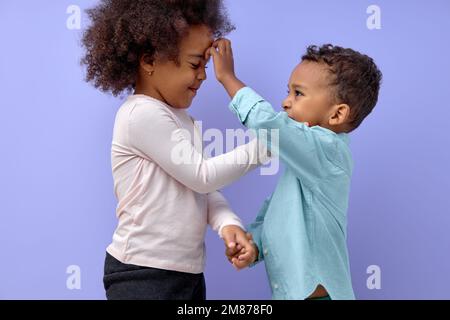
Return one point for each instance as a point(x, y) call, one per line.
point(297, 85)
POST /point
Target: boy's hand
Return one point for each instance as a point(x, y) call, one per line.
point(246, 256)
point(239, 246)
point(222, 54)
point(234, 237)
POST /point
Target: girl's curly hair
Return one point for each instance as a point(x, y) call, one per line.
point(121, 31)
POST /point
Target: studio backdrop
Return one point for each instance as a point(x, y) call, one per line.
point(57, 200)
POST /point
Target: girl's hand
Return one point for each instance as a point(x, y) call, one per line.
point(222, 54)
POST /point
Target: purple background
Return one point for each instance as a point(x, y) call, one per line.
point(57, 204)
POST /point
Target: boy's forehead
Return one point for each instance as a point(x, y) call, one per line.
point(310, 74)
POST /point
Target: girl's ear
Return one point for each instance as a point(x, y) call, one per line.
point(340, 115)
point(147, 63)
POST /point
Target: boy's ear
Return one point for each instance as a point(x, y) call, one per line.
point(147, 63)
point(340, 114)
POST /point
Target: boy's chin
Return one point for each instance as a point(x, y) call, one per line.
point(298, 119)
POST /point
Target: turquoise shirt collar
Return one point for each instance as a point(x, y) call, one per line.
point(345, 137)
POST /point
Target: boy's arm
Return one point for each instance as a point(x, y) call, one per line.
point(222, 54)
point(295, 143)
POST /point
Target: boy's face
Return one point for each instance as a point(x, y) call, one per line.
point(309, 97)
point(177, 84)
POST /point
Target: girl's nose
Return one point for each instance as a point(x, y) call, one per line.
point(202, 74)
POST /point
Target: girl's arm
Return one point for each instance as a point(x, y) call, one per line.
point(154, 134)
point(219, 213)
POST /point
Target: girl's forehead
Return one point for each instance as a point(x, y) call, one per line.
point(197, 41)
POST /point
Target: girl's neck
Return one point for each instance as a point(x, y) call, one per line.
point(148, 90)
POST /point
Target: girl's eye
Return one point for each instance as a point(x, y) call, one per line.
point(197, 66)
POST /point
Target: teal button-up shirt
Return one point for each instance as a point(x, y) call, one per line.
point(300, 230)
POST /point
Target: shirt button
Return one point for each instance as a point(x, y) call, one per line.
point(265, 252)
point(275, 286)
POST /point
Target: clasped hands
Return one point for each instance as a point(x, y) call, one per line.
point(240, 248)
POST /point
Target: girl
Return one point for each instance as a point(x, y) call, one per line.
point(158, 51)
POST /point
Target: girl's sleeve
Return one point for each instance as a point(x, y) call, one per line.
point(296, 144)
point(219, 213)
point(154, 134)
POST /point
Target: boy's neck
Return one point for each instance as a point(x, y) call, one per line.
point(343, 128)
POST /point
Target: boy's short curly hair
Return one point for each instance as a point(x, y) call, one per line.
point(121, 31)
point(355, 77)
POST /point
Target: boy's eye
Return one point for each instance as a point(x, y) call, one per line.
point(297, 93)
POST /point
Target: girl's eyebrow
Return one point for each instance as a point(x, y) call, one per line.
point(201, 56)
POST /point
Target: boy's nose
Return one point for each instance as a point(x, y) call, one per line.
point(286, 104)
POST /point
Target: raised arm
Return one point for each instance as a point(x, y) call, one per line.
point(300, 147)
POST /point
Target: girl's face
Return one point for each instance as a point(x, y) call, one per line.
point(177, 84)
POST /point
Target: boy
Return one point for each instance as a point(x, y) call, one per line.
point(300, 231)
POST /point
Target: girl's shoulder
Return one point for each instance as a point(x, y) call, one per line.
point(141, 107)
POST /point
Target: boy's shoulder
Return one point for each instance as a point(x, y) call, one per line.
point(336, 147)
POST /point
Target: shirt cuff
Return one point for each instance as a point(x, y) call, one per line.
point(243, 102)
point(230, 222)
point(259, 258)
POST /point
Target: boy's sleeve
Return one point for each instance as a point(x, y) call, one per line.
point(220, 214)
point(256, 229)
point(296, 144)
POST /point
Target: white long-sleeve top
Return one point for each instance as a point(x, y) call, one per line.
point(165, 202)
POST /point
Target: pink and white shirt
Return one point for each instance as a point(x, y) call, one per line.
point(164, 205)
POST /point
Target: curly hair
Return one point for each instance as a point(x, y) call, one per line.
point(122, 31)
point(356, 78)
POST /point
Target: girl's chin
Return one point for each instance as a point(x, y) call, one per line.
point(186, 105)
